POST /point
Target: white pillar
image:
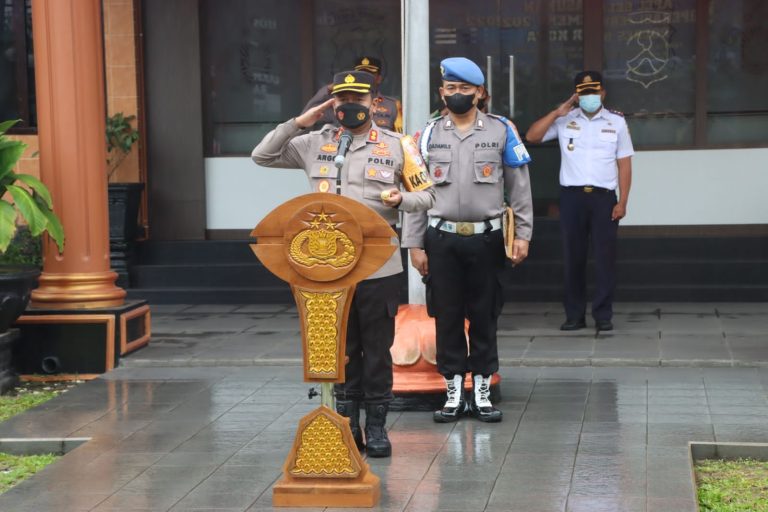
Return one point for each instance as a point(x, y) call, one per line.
point(415, 57)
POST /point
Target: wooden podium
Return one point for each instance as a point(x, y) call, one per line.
point(323, 245)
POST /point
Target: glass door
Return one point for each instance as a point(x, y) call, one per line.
point(529, 52)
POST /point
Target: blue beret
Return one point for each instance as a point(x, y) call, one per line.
point(460, 69)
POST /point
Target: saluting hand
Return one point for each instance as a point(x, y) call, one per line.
point(313, 115)
point(569, 105)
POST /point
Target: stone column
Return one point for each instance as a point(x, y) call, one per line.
point(69, 68)
point(415, 41)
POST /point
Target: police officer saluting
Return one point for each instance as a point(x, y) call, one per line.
point(387, 111)
point(596, 157)
point(377, 163)
point(474, 160)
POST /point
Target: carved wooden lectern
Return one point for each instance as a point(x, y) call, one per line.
point(323, 245)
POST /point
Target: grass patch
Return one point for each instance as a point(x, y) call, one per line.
point(23, 398)
point(732, 485)
point(15, 468)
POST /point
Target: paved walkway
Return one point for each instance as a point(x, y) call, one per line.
point(203, 419)
point(671, 334)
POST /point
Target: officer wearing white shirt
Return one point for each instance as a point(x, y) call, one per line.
point(596, 158)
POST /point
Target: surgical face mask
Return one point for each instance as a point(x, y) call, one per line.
point(589, 102)
point(459, 103)
point(352, 115)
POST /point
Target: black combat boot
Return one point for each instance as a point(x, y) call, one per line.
point(455, 406)
point(481, 406)
point(377, 442)
point(351, 409)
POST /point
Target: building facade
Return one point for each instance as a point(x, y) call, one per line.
point(208, 78)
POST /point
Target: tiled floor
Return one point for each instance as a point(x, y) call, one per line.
point(592, 439)
point(669, 334)
point(204, 418)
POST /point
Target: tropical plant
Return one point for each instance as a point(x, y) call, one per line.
point(121, 136)
point(31, 200)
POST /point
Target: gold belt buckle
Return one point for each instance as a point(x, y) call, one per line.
point(588, 190)
point(465, 228)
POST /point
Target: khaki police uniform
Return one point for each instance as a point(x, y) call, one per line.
point(473, 172)
point(589, 149)
point(374, 163)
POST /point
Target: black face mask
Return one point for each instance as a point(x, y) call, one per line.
point(459, 103)
point(352, 115)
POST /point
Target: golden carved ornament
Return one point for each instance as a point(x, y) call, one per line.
point(322, 244)
point(321, 310)
point(322, 451)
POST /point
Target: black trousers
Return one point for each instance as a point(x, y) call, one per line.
point(370, 334)
point(586, 217)
point(463, 282)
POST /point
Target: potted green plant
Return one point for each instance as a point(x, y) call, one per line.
point(22, 198)
point(124, 198)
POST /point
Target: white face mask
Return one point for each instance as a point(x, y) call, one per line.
point(589, 102)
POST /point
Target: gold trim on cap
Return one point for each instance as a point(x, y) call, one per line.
point(363, 88)
point(588, 85)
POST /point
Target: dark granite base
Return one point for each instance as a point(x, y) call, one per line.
point(82, 341)
point(8, 377)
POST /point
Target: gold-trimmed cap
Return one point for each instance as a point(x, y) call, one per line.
point(369, 64)
point(588, 82)
point(354, 81)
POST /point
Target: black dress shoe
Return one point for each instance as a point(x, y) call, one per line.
point(573, 325)
point(604, 325)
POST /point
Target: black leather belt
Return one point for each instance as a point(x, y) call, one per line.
point(589, 189)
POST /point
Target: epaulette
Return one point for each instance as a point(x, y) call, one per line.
point(391, 133)
point(616, 112)
point(506, 122)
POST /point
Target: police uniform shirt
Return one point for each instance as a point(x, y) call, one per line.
point(374, 163)
point(597, 143)
point(472, 173)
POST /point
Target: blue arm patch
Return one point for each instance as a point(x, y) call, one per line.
point(515, 154)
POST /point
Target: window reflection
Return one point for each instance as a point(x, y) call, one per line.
point(649, 68)
point(250, 64)
point(737, 72)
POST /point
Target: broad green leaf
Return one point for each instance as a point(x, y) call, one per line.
point(7, 125)
point(7, 225)
point(28, 209)
point(54, 227)
point(38, 186)
point(9, 155)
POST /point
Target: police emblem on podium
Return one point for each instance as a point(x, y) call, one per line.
point(323, 245)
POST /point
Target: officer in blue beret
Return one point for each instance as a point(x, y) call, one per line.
point(475, 160)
